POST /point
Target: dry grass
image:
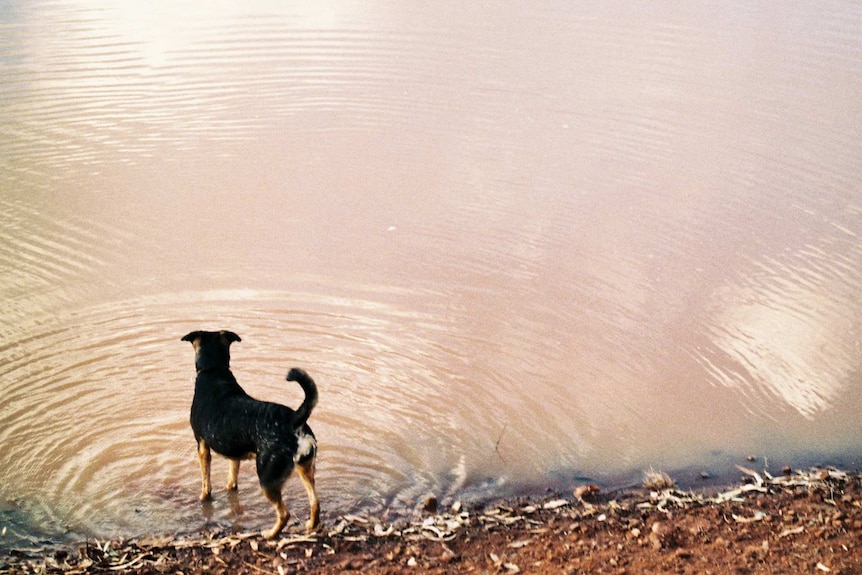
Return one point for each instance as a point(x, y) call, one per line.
point(657, 480)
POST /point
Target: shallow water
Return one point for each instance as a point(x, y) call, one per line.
point(513, 245)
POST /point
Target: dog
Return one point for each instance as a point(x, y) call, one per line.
point(228, 421)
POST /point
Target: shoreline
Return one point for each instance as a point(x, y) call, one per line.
point(801, 521)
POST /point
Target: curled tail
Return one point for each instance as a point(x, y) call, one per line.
point(310, 389)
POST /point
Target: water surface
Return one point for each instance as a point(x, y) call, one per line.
point(514, 245)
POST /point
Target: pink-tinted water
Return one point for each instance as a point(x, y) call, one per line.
point(513, 244)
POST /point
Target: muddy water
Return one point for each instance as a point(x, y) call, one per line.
point(514, 245)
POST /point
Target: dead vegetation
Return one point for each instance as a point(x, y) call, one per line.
point(657, 480)
point(805, 521)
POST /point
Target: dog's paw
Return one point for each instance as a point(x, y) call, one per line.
point(206, 496)
point(271, 534)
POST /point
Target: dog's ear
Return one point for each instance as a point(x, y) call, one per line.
point(191, 336)
point(230, 336)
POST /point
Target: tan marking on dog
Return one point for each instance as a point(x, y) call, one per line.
point(233, 472)
point(232, 475)
point(273, 495)
point(306, 474)
point(205, 459)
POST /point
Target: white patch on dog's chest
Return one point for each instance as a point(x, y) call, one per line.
point(306, 445)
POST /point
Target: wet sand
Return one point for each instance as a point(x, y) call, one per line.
point(796, 522)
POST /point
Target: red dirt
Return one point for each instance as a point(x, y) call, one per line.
point(810, 523)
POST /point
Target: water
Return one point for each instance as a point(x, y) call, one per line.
point(514, 245)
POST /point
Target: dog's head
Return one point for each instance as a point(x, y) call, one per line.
point(212, 348)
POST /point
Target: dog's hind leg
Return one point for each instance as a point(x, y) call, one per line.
point(273, 495)
point(232, 475)
point(205, 458)
point(306, 474)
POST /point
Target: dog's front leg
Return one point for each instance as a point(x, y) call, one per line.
point(205, 458)
point(232, 475)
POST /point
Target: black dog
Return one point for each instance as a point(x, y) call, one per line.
point(225, 419)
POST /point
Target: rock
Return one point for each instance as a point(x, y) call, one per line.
point(586, 491)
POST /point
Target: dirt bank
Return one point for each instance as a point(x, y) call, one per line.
point(798, 522)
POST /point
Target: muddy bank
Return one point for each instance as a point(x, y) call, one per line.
point(799, 521)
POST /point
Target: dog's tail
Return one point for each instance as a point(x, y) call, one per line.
point(310, 389)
